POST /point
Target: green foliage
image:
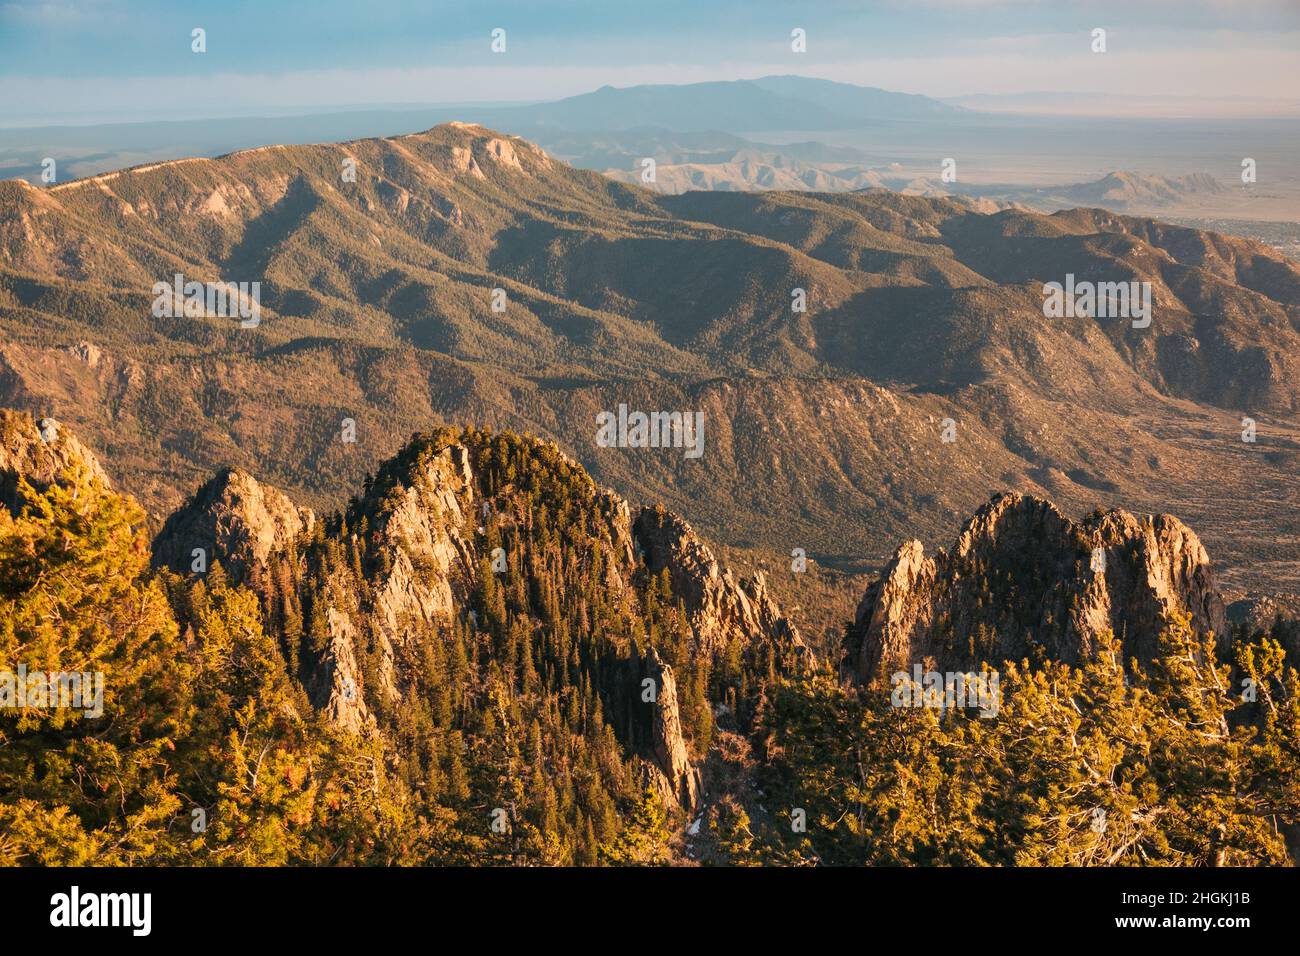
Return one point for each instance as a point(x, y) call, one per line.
point(210, 752)
point(1087, 765)
point(207, 724)
point(75, 597)
point(643, 839)
point(507, 738)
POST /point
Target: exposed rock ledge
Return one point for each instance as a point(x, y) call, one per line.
point(39, 449)
point(236, 520)
point(1022, 578)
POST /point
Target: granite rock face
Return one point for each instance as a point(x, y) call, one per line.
point(719, 606)
point(236, 520)
point(1022, 578)
point(419, 544)
point(39, 450)
point(335, 684)
point(674, 774)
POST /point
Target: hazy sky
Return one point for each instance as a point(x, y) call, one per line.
point(113, 58)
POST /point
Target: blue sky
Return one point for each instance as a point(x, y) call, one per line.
point(121, 57)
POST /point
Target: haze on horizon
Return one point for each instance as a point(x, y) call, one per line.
point(100, 61)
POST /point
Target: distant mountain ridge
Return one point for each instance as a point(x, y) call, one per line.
point(1118, 190)
point(767, 103)
point(1127, 189)
point(579, 122)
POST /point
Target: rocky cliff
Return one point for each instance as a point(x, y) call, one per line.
point(234, 519)
point(720, 607)
point(653, 721)
point(437, 529)
point(1024, 580)
point(39, 449)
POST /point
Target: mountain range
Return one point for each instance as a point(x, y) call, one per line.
point(767, 103)
point(774, 133)
point(572, 126)
point(754, 168)
point(922, 377)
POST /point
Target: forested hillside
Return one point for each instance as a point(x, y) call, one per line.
point(486, 658)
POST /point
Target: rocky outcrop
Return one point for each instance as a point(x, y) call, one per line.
point(335, 687)
point(236, 520)
point(669, 747)
point(403, 565)
point(1023, 579)
point(421, 556)
point(719, 607)
point(652, 727)
point(421, 526)
point(40, 450)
